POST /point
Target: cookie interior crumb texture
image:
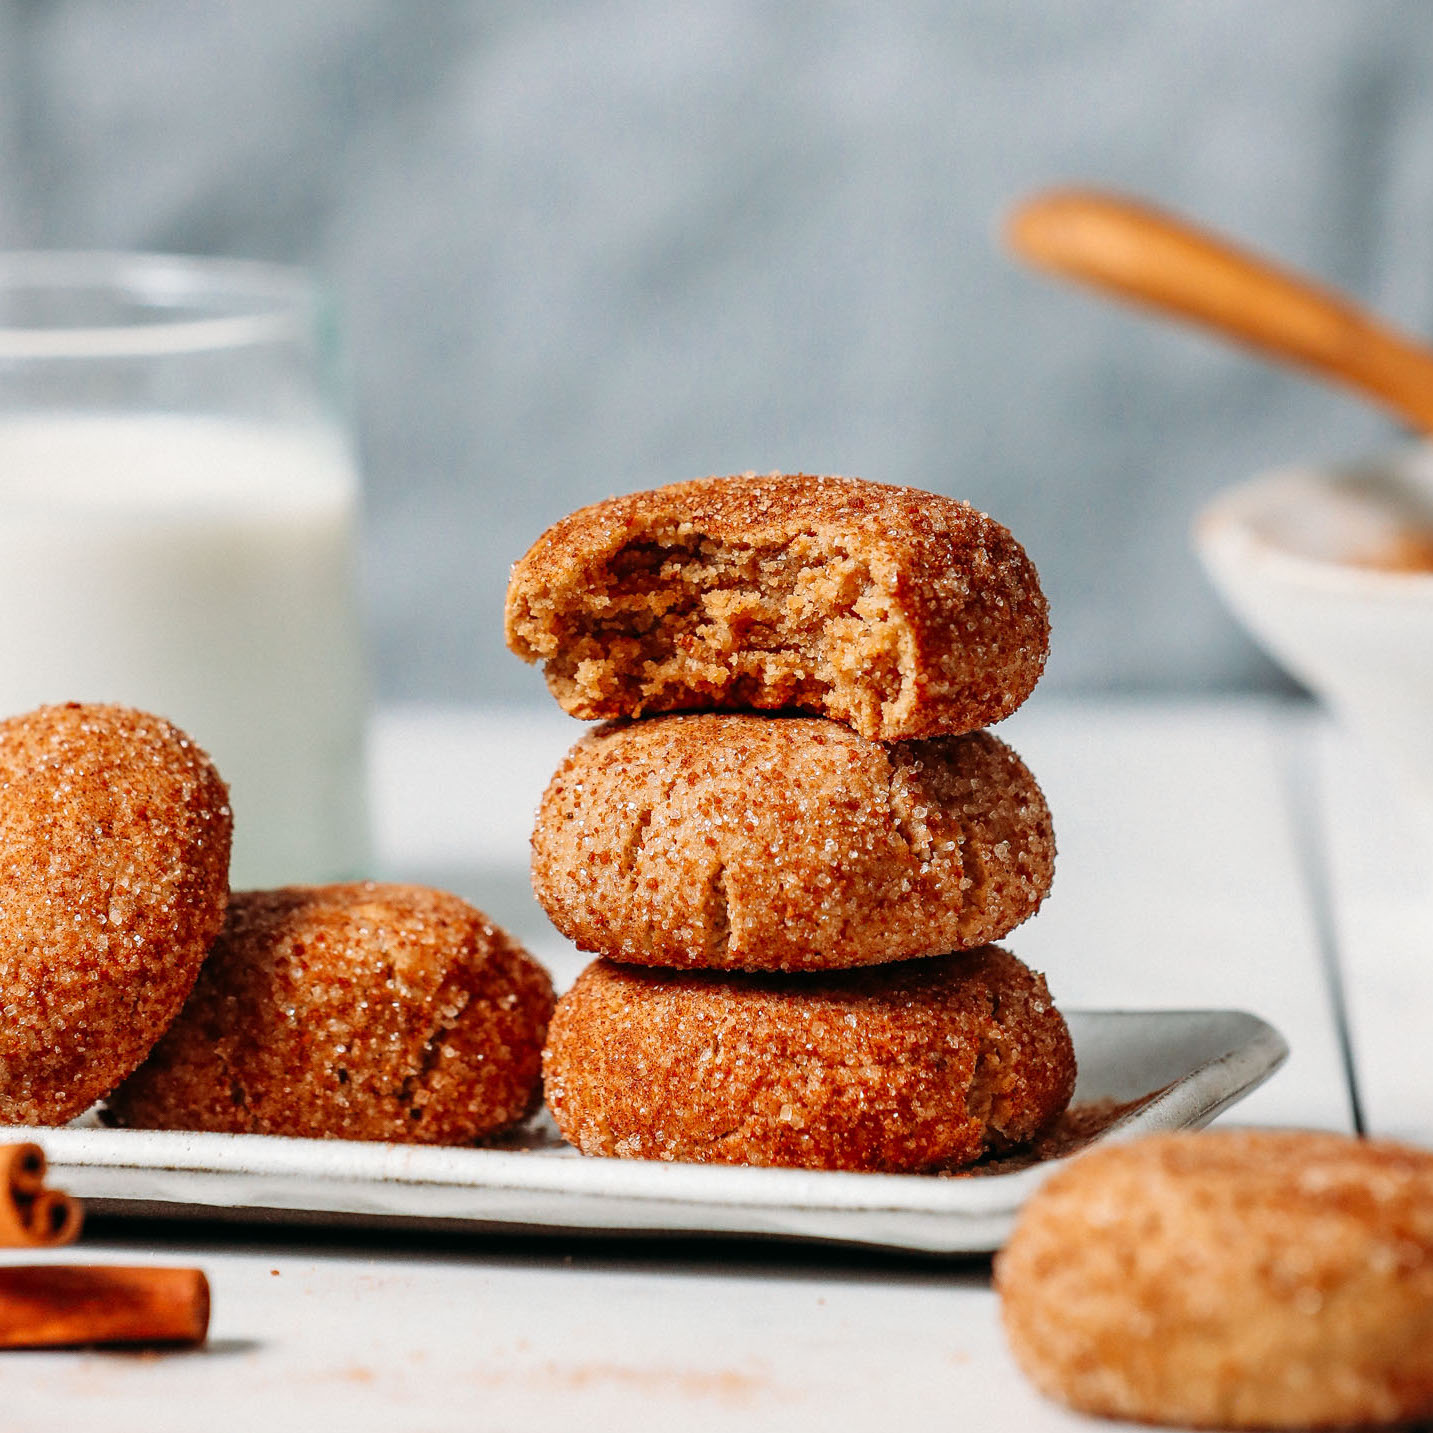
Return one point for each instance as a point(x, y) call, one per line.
point(1233, 1278)
point(359, 1011)
point(900, 612)
point(114, 874)
point(923, 1065)
point(749, 842)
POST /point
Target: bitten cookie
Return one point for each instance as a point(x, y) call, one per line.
point(927, 1064)
point(900, 612)
point(1239, 1278)
point(357, 1011)
point(762, 843)
point(114, 873)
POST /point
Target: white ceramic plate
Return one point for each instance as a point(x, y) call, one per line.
point(1185, 1066)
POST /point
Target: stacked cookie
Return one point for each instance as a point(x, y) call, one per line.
point(793, 846)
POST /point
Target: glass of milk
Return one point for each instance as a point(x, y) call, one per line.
point(178, 520)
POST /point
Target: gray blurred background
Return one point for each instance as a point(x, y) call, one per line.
point(582, 248)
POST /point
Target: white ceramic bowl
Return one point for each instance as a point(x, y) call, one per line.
point(1322, 564)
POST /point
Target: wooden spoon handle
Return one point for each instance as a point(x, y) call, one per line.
point(1153, 258)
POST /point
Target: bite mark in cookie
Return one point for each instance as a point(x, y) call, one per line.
point(899, 612)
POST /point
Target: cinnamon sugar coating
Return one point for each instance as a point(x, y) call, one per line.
point(359, 1011)
point(764, 843)
point(900, 612)
point(114, 873)
point(1235, 1278)
point(922, 1065)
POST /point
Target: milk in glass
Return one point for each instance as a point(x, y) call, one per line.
point(201, 568)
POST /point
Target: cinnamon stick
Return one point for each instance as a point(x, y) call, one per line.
point(30, 1215)
point(22, 1168)
point(64, 1306)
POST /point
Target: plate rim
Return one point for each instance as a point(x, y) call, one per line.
point(1189, 1101)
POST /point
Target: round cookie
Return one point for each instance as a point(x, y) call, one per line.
point(902, 613)
point(923, 1065)
point(763, 843)
point(358, 1011)
point(1239, 1278)
point(114, 873)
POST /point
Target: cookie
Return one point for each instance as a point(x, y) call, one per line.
point(922, 1065)
point(358, 1011)
point(899, 612)
point(114, 873)
point(763, 843)
point(1238, 1278)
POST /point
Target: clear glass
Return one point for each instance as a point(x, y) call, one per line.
point(178, 530)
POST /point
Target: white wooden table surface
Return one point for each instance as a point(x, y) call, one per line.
point(1216, 853)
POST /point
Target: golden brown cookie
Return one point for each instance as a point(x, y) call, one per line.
point(114, 872)
point(358, 1011)
point(1236, 1278)
point(765, 843)
point(902, 613)
point(922, 1065)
